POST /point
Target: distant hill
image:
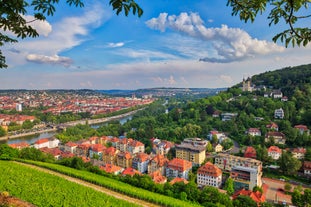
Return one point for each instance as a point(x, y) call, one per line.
point(287, 79)
point(164, 92)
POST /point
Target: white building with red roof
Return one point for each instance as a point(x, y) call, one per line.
point(157, 163)
point(178, 168)
point(210, 175)
point(253, 132)
point(140, 162)
point(299, 153)
point(302, 129)
point(274, 152)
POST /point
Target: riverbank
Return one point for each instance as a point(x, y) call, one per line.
point(73, 123)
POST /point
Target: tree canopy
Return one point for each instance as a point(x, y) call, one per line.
point(290, 12)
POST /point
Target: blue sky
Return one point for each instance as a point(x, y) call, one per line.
point(174, 44)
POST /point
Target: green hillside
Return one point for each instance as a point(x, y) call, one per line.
point(42, 189)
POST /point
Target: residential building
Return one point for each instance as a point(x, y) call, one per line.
point(158, 178)
point(130, 172)
point(228, 116)
point(110, 155)
point(70, 147)
point(220, 135)
point(272, 126)
point(96, 151)
point(158, 163)
point(192, 149)
point(218, 147)
point(209, 174)
point(276, 94)
point(253, 132)
point(277, 137)
point(178, 180)
point(178, 168)
point(274, 152)
point(307, 168)
point(299, 153)
point(161, 146)
point(124, 159)
point(279, 113)
point(46, 142)
point(140, 162)
point(19, 145)
point(83, 149)
point(257, 196)
point(246, 169)
point(135, 147)
point(110, 168)
point(19, 107)
point(302, 129)
point(250, 152)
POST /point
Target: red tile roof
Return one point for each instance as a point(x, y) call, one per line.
point(157, 177)
point(250, 152)
point(160, 160)
point(274, 149)
point(41, 141)
point(179, 164)
point(177, 179)
point(210, 170)
point(130, 171)
point(109, 168)
point(255, 196)
point(141, 157)
point(301, 127)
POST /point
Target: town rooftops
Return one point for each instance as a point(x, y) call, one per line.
point(179, 164)
point(177, 180)
point(255, 196)
point(210, 170)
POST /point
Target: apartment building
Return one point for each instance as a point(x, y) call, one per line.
point(192, 149)
point(246, 172)
point(210, 175)
point(178, 168)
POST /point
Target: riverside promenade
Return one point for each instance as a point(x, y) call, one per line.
point(68, 124)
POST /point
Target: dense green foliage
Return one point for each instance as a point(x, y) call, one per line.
point(280, 11)
point(50, 190)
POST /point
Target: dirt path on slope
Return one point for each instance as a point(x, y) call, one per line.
point(93, 186)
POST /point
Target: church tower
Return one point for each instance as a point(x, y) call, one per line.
point(247, 84)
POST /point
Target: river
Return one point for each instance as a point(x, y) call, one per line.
point(33, 138)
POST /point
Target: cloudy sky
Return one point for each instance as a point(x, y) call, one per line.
point(174, 44)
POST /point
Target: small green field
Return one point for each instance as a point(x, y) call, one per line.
point(42, 189)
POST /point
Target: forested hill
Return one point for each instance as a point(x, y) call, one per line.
point(287, 79)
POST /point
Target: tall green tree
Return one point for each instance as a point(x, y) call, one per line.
point(288, 164)
point(229, 187)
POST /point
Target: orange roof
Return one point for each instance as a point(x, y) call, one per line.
point(302, 127)
point(274, 149)
point(135, 143)
point(177, 179)
point(210, 170)
point(125, 155)
point(71, 144)
point(19, 145)
point(179, 164)
point(130, 171)
point(109, 168)
point(255, 196)
point(160, 160)
point(299, 150)
point(41, 141)
point(250, 152)
point(141, 157)
point(98, 148)
point(157, 177)
point(110, 151)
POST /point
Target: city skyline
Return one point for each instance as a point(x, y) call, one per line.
point(182, 44)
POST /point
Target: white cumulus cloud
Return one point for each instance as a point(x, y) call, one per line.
point(43, 27)
point(229, 44)
point(65, 61)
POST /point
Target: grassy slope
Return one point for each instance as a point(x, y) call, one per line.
point(45, 190)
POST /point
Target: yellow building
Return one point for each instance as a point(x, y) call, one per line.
point(193, 150)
